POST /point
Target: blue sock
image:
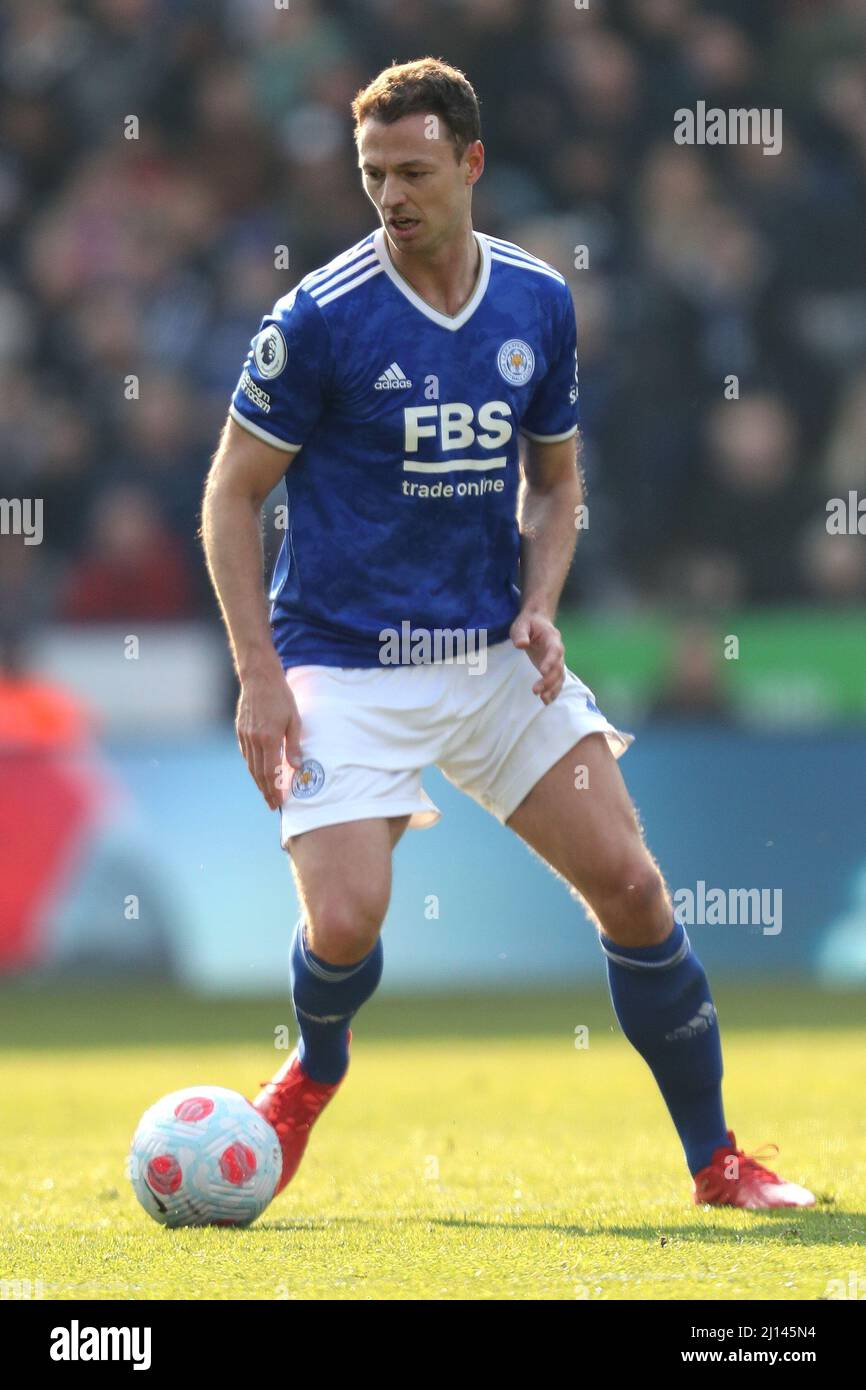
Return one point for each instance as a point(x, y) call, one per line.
point(662, 1001)
point(326, 997)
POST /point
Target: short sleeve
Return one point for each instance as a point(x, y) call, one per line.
point(553, 413)
point(285, 379)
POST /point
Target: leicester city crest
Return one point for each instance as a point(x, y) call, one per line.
point(516, 361)
point(308, 779)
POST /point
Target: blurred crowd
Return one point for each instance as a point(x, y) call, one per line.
point(154, 153)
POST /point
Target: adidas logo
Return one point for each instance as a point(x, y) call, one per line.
point(392, 379)
point(702, 1021)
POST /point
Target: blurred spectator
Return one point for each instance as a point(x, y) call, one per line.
point(28, 586)
point(156, 157)
point(834, 566)
point(132, 567)
point(692, 688)
point(64, 875)
point(748, 499)
point(35, 714)
point(845, 461)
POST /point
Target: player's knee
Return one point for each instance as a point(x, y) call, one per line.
point(633, 909)
point(342, 930)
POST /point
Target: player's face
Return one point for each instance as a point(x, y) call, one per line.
point(419, 188)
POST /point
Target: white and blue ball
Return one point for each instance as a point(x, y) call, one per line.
point(204, 1156)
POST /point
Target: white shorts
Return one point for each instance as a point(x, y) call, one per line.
point(368, 733)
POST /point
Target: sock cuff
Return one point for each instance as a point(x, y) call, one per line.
point(663, 956)
point(323, 969)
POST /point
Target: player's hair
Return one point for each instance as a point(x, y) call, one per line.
point(427, 85)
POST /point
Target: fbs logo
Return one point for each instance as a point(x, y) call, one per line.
point(393, 379)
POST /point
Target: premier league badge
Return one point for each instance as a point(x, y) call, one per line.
point(270, 352)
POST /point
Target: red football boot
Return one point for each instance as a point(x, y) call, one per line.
point(292, 1102)
point(737, 1179)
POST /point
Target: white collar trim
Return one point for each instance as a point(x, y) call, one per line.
point(444, 320)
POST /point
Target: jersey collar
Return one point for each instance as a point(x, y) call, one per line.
point(444, 320)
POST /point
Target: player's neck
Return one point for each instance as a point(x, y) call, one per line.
point(447, 277)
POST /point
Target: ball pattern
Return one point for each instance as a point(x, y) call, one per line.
point(204, 1156)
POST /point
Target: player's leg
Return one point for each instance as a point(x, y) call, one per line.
point(585, 827)
point(580, 819)
point(549, 773)
point(343, 874)
point(367, 733)
point(343, 877)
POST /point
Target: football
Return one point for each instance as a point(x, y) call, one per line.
point(203, 1156)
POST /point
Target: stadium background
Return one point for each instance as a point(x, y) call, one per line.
point(133, 272)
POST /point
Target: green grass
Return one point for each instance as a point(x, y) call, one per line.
point(474, 1152)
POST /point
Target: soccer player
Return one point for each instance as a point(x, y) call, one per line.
point(391, 390)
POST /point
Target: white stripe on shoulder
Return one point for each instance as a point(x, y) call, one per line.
point(315, 291)
point(510, 248)
point(323, 272)
point(350, 285)
point(537, 267)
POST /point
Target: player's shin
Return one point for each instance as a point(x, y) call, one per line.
point(326, 998)
point(662, 1001)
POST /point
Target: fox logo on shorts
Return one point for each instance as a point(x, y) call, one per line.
point(309, 778)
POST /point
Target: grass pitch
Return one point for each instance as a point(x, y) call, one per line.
point(474, 1153)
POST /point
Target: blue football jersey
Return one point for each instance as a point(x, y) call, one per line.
point(402, 500)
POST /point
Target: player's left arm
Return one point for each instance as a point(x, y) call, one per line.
point(551, 491)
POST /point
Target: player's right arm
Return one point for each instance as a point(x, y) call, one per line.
point(244, 471)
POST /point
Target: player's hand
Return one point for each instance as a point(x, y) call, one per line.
point(539, 638)
point(268, 723)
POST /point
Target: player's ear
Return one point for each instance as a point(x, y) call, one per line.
point(473, 157)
